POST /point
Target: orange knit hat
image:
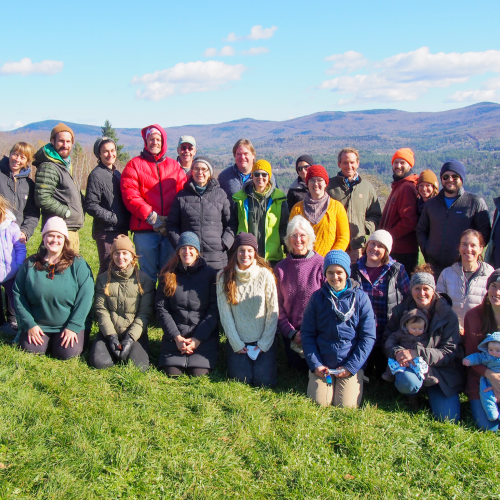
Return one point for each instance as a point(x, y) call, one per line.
point(405, 154)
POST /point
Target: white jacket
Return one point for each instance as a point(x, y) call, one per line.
point(452, 282)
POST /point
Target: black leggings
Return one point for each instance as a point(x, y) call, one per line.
point(174, 371)
point(52, 345)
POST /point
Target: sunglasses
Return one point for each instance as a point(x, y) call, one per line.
point(448, 176)
point(299, 169)
point(51, 270)
point(260, 174)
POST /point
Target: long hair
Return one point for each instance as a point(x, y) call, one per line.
point(488, 322)
point(4, 206)
point(135, 262)
point(67, 257)
point(168, 276)
point(229, 275)
point(478, 235)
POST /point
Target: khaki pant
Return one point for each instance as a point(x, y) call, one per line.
point(344, 392)
point(74, 241)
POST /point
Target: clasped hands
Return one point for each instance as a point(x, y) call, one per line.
point(186, 346)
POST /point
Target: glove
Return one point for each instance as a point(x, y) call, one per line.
point(160, 226)
point(127, 343)
point(114, 345)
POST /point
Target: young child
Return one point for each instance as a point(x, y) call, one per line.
point(489, 357)
point(413, 332)
point(12, 254)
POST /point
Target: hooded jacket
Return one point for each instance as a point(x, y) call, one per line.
point(296, 192)
point(328, 341)
point(361, 205)
point(12, 251)
point(440, 227)
point(209, 216)
point(465, 295)
point(440, 352)
point(19, 191)
point(149, 183)
point(400, 215)
point(56, 193)
point(401, 339)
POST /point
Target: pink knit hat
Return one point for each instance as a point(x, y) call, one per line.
point(55, 224)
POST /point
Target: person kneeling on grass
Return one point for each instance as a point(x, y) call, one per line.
point(186, 306)
point(124, 306)
point(53, 296)
point(248, 306)
point(338, 334)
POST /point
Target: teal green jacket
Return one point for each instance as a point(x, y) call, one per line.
point(53, 305)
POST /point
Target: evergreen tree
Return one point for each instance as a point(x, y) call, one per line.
point(109, 131)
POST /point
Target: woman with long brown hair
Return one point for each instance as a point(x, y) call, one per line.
point(53, 295)
point(248, 307)
point(186, 306)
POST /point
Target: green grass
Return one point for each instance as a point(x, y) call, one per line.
point(70, 432)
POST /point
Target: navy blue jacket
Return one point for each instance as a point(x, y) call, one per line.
point(329, 342)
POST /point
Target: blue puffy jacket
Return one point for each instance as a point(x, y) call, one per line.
point(328, 341)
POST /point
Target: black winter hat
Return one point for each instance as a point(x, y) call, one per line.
point(306, 158)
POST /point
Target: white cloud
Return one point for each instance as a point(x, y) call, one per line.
point(26, 67)
point(489, 91)
point(407, 76)
point(348, 61)
point(185, 78)
point(255, 51)
point(256, 33)
point(224, 52)
point(210, 52)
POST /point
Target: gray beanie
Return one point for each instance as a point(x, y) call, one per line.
point(423, 279)
point(99, 142)
point(206, 161)
point(188, 239)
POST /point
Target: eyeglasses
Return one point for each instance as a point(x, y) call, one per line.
point(51, 270)
point(299, 169)
point(200, 170)
point(187, 148)
point(260, 174)
point(452, 176)
point(318, 182)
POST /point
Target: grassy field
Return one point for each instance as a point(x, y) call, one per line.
point(70, 432)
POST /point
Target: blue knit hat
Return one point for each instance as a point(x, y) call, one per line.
point(339, 258)
point(454, 166)
point(188, 239)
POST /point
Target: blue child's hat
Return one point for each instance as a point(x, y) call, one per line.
point(492, 337)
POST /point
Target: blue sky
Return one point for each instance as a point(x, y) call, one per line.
point(179, 63)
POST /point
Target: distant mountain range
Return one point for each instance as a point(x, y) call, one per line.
point(379, 130)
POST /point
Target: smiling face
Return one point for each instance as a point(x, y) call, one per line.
point(470, 249)
point(400, 167)
point(54, 243)
point(425, 190)
point(317, 187)
point(422, 295)
point(245, 256)
point(494, 349)
point(153, 143)
point(302, 167)
point(299, 240)
point(188, 255)
point(63, 142)
point(186, 152)
point(494, 294)
point(260, 179)
point(17, 161)
point(200, 173)
point(122, 259)
point(451, 182)
point(244, 160)
point(336, 277)
point(349, 164)
point(107, 153)
point(375, 252)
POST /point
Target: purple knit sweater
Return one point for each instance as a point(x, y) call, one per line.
point(297, 280)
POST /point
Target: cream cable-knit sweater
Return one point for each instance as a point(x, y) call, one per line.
point(255, 317)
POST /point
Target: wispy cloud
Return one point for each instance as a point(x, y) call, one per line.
point(185, 78)
point(406, 76)
point(27, 67)
point(489, 91)
point(226, 51)
point(256, 33)
point(255, 51)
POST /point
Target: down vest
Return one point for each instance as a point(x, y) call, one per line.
point(464, 295)
point(149, 184)
point(209, 216)
point(124, 310)
point(191, 312)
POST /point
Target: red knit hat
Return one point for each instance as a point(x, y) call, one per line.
point(405, 154)
point(317, 171)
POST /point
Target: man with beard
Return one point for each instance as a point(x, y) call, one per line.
point(400, 216)
point(446, 216)
point(56, 193)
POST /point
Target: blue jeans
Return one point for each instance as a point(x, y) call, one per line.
point(442, 407)
point(154, 251)
point(480, 418)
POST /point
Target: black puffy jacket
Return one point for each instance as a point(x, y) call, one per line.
point(103, 200)
point(192, 313)
point(209, 216)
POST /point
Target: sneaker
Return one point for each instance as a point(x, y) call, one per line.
point(13, 324)
point(7, 329)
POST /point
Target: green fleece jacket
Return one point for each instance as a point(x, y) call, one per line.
point(53, 304)
point(124, 310)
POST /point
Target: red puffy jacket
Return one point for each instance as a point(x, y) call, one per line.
point(149, 183)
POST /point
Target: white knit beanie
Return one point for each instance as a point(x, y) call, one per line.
point(382, 236)
point(55, 224)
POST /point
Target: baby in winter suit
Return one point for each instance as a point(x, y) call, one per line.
point(412, 331)
point(489, 357)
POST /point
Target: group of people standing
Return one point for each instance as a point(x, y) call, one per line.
point(321, 265)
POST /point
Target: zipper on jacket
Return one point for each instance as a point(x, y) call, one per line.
point(159, 180)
